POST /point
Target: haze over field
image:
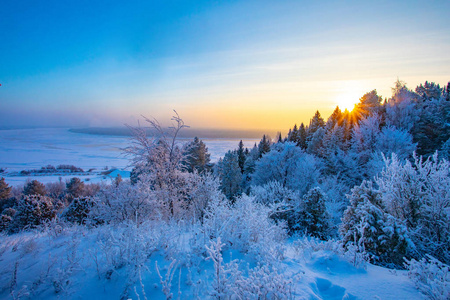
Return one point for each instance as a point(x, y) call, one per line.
point(233, 64)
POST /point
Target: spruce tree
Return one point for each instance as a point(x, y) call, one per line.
point(314, 218)
point(241, 156)
point(302, 136)
point(293, 134)
point(230, 175)
point(264, 145)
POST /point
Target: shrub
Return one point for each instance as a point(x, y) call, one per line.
point(32, 211)
point(78, 211)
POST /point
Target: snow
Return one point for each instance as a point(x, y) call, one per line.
point(62, 264)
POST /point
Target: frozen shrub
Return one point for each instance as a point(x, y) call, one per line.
point(115, 204)
point(419, 194)
point(261, 282)
point(431, 277)
point(245, 226)
point(5, 220)
point(32, 211)
point(78, 211)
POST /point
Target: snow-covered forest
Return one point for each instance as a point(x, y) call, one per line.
point(356, 206)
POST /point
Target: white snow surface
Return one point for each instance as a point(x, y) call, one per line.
point(72, 263)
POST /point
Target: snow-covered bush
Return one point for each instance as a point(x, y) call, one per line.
point(273, 192)
point(245, 226)
point(78, 210)
point(115, 204)
point(260, 282)
point(368, 227)
point(32, 211)
point(431, 277)
point(419, 194)
point(204, 188)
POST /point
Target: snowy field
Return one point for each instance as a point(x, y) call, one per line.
point(25, 149)
point(78, 263)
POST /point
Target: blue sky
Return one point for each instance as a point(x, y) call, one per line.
point(220, 64)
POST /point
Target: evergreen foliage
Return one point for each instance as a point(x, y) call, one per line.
point(5, 190)
point(75, 188)
point(34, 187)
point(230, 175)
point(367, 226)
point(32, 211)
point(196, 157)
point(79, 210)
point(314, 218)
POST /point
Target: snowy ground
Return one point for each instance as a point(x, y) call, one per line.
point(76, 264)
point(25, 149)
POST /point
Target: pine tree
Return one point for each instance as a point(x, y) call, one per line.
point(75, 188)
point(314, 217)
point(334, 119)
point(196, 157)
point(367, 226)
point(264, 145)
point(431, 130)
point(302, 136)
point(429, 90)
point(368, 105)
point(293, 135)
point(241, 156)
point(230, 175)
point(34, 187)
point(5, 189)
point(315, 123)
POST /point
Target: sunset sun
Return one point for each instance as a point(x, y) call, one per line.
point(348, 95)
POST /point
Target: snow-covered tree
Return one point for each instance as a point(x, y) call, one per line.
point(367, 226)
point(227, 169)
point(314, 218)
point(241, 156)
point(264, 145)
point(289, 165)
point(369, 104)
point(419, 194)
point(157, 162)
point(401, 110)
